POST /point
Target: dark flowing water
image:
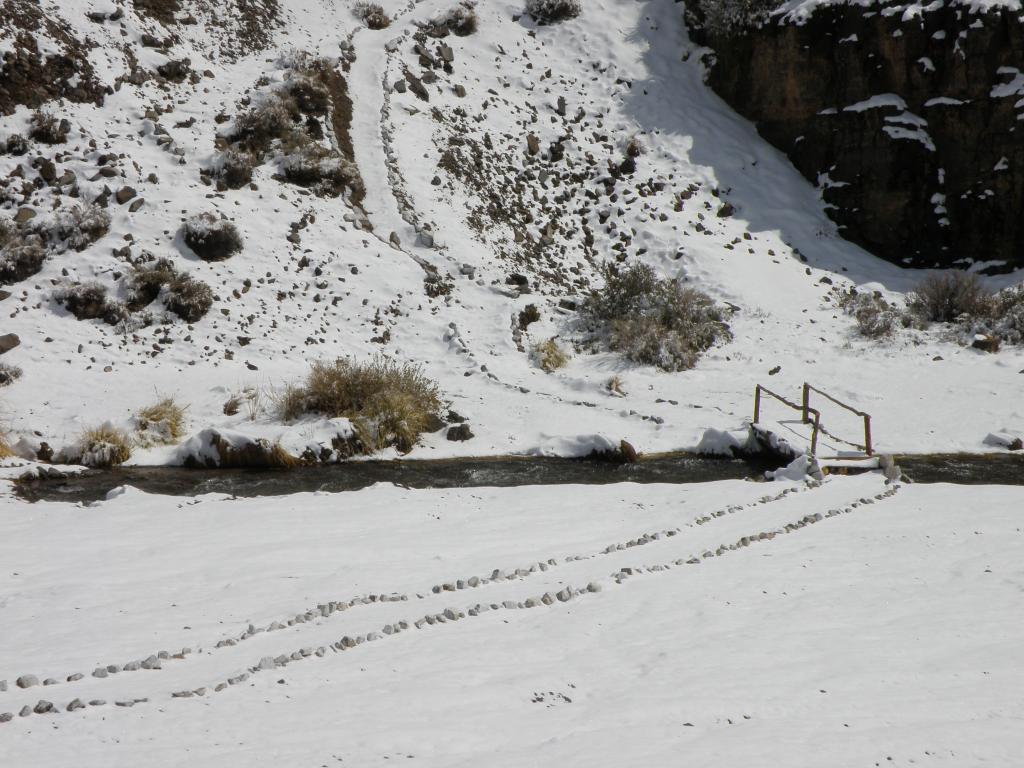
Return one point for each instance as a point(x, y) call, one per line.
point(471, 473)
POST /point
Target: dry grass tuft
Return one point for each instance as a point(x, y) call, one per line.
point(162, 422)
point(105, 446)
point(389, 403)
point(549, 356)
point(5, 447)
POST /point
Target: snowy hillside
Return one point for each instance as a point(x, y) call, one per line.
point(456, 180)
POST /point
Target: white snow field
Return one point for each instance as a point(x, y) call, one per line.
point(621, 625)
point(626, 70)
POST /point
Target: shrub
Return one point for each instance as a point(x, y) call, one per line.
point(47, 129)
point(15, 145)
point(323, 170)
point(21, 260)
point(5, 447)
point(105, 446)
point(550, 11)
point(89, 301)
point(655, 322)
point(944, 297)
point(1005, 320)
point(722, 17)
point(8, 374)
point(77, 227)
point(549, 356)
point(188, 298)
point(875, 316)
point(309, 94)
point(211, 238)
point(389, 403)
point(372, 15)
point(460, 20)
point(234, 167)
point(162, 422)
point(274, 117)
point(146, 281)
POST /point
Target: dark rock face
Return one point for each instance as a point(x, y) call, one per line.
point(912, 124)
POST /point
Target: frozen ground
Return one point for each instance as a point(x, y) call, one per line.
point(629, 70)
point(883, 633)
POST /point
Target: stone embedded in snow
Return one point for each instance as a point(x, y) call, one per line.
point(75, 704)
point(6, 717)
point(99, 672)
point(98, 703)
point(593, 587)
point(267, 662)
point(42, 707)
point(25, 711)
point(27, 681)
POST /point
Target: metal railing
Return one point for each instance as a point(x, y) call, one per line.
point(806, 412)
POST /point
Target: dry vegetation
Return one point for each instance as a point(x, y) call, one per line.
point(372, 15)
point(550, 11)
point(389, 403)
point(211, 238)
point(549, 355)
point(162, 422)
point(104, 447)
point(653, 321)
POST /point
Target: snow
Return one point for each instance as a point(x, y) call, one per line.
point(885, 628)
point(644, 85)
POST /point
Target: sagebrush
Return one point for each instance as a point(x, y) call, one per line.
point(549, 11)
point(161, 422)
point(654, 321)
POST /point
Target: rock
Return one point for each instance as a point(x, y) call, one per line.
point(27, 681)
point(99, 672)
point(124, 194)
point(24, 215)
point(986, 343)
point(76, 704)
point(726, 211)
point(400, 86)
point(75, 677)
point(6, 717)
point(532, 144)
point(43, 707)
point(459, 433)
point(887, 189)
point(97, 703)
point(395, 240)
point(460, 90)
point(49, 681)
point(25, 711)
point(47, 170)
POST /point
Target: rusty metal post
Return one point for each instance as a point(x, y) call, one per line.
point(757, 404)
point(867, 435)
point(806, 401)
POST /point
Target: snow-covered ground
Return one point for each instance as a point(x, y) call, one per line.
point(626, 625)
point(629, 68)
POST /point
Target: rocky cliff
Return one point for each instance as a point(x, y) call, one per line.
point(909, 119)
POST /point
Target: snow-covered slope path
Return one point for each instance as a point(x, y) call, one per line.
point(614, 625)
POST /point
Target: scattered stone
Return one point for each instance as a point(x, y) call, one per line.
point(6, 717)
point(459, 433)
point(43, 707)
point(26, 681)
point(124, 194)
point(76, 704)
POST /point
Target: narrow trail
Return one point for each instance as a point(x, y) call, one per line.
point(338, 626)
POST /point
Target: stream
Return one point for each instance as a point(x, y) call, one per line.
point(964, 469)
